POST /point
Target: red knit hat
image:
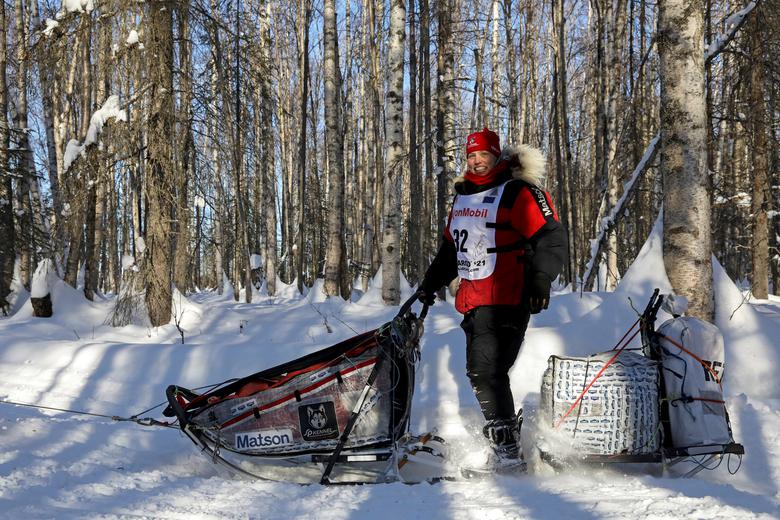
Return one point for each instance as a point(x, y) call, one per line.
point(484, 140)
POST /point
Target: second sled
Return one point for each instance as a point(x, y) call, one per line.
point(663, 406)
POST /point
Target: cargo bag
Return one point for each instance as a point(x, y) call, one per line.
point(693, 358)
point(619, 412)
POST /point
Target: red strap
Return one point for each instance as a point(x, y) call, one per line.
point(694, 356)
point(708, 400)
point(626, 334)
point(611, 360)
point(253, 387)
point(291, 396)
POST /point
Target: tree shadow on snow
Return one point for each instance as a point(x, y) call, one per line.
point(69, 462)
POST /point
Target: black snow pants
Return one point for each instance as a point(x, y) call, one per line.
point(494, 334)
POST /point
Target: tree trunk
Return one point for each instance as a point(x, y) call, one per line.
point(159, 181)
point(45, 74)
point(478, 99)
point(219, 198)
point(243, 252)
point(774, 146)
point(430, 241)
point(495, 77)
point(683, 152)
point(759, 152)
point(182, 268)
point(376, 179)
point(305, 12)
point(335, 145)
point(98, 177)
point(568, 205)
point(90, 244)
point(26, 167)
point(445, 117)
point(396, 154)
point(113, 223)
point(7, 232)
point(268, 165)
point(416, 222)
point(514, 131)
point(349, 125)
point(615, 31)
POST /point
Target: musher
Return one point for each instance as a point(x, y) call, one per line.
point(503, 239)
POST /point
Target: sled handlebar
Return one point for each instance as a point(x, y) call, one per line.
point(407, 306)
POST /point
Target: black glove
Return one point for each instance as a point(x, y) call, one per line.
point(538, 292)
point(425, 296)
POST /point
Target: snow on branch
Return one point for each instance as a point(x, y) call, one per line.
point(109, 109)
point(608, 222)
point(134, 39)
point(75, 6)
point(50, 26)
point(733, 24)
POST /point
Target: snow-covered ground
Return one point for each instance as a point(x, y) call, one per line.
point(57, 465)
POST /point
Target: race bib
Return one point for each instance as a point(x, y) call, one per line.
point(473, 238)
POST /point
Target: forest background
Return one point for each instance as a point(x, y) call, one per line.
point(152, 145)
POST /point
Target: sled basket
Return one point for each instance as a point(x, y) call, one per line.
point(616, 409)
point(332, 416)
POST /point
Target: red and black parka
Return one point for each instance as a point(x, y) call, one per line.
point(529, 242)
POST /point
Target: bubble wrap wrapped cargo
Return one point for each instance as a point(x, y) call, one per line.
point(618, 414)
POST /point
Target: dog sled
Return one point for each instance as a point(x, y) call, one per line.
point(661, 406)
point(339, 415)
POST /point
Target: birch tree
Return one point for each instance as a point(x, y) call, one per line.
point(562, 150)
point(426, 125)
point(335, 143)
point(27, 191)
point(305, 13)
point(268, 165)
point(683, 153)
point(514, 129)
point(395, 156)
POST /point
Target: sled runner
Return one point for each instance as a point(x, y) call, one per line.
point(662, 406)
point(339, 415)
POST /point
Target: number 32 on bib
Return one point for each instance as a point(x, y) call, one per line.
point(471, 234)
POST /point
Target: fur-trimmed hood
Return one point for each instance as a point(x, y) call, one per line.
point(525, 162)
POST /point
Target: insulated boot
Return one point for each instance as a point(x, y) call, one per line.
point(504, 437)
point(504, 455)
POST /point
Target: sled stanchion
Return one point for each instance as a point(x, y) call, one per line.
point(424, 311)
point(352, 418)
point(407, 306)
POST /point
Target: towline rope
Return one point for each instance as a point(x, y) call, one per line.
point(143, 421)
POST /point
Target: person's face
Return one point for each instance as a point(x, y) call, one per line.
point(480, 162)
